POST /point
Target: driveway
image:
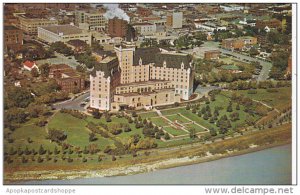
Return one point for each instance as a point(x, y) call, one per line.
point(73, 104)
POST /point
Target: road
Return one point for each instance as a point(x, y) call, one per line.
point(73, 104)
point(266, 66)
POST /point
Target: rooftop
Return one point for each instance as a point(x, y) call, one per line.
point(65, 29)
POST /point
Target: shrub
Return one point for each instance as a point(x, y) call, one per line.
point(84, 159)
point(134, 114)
point(92, 137)
point(113, 158)
point(40, 160)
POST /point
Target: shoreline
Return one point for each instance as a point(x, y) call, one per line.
point(23, 176)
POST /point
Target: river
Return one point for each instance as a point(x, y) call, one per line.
point(270, 166)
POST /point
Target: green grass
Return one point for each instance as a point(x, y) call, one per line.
point(148, 114)
point(177, 117)
point(159, 121)
point(221, 102)
point(174, 131)
point(36, 134)
point(195, 126)
point(78, 134)
point(279, 100)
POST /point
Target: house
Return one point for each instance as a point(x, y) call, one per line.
point(29, 65)
point(212, 54)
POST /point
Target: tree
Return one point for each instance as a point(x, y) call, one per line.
point(167, 136)
point(20, 97)
point(229, 107)
point(15, 115)
point(199, 114)
point(237, 107)
point(194, 110)
point(34, 72)
point(44, 69)
point(253, 51)
point(96, 114)
point(188, 107)
point(205, 116)
point(192, 133)
point(213, 132)
point(41, 150)
point(56, 135)
point(92, 137)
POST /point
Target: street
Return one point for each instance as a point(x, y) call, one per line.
point(73, 104)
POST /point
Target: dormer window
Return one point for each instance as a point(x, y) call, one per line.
point(140, 61)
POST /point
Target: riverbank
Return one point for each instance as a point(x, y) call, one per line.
point(280, 136)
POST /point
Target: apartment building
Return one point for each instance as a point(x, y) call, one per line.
point(174, 20)
point(93, 20)
point(117, 27)
point(30, 23)
point(144, 28)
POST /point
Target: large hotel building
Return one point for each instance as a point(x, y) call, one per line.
point(140, 78)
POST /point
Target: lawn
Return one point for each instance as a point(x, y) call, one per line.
point(159, 121)
point(77, 133)
point(279, 100)
point(195, 126)
point(148, 114)
point(177, 117)
point(29, 130)
point(174, 131)
point(221, 102)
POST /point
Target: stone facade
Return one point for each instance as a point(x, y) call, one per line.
point(141, 77)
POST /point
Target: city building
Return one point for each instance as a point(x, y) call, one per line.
point(13, 38)
point(91, 20)
point(67, 78)
point(141, 77)
point(63, 33)
point(174, 20)
point(212, 54)
point(144, 28)
point(117, 27)
point(30, 23)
